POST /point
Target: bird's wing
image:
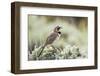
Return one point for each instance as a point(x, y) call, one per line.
point(51, 38)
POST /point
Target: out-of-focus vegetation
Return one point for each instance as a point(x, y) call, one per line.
point(72, 44)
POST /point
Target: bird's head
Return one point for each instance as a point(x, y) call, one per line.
point(57, 28)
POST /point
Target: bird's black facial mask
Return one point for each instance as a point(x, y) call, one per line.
point(59, 32)
point(58, 28)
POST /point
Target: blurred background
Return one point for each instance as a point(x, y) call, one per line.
point(72, 44)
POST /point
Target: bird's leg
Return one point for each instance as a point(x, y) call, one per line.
point(41, 50)
point(54, 48)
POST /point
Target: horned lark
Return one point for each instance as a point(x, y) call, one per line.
point(51, 38)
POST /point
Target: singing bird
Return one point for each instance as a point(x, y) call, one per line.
point(51, 38)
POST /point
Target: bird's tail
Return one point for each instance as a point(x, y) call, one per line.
point(42, 48)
